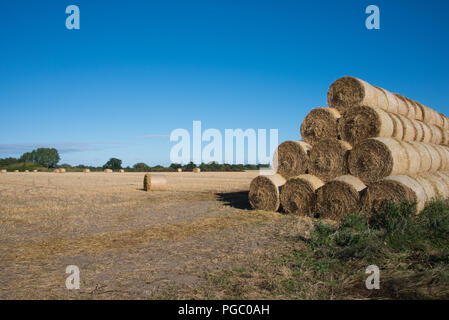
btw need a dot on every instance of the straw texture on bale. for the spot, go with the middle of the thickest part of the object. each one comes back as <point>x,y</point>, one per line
<point>154,183</point>
<point>264,192</point>
<point>291,158</point>
<point>321,123</point>
<point>339,198</point>
<point>397,189</point>
<point>196,170</point>
<point>328,159</point>
<point>349,92</point>
<point>298,194</point>
<point>376,158</point>
<point>108,171</point>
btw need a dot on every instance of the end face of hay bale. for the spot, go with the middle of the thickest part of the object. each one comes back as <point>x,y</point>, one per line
<point>147,182</point>
<point>264,192</point>
<point>291,158</point>
<point>179,170</point>
<point>298,195</point>
<point>348,92</point>
<point>329,159</point>
<point>321,123</point>
<point>339,198</point>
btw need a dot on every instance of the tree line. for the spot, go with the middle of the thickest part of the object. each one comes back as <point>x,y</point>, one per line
<point>48,158</point>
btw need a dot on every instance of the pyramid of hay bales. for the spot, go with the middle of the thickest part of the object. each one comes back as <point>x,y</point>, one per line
<point>369,147</point>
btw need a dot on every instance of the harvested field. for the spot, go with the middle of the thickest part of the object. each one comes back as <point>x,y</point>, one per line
<point>126,242</point>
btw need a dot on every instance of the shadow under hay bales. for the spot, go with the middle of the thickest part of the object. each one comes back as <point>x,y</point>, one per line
<point>238,200</point>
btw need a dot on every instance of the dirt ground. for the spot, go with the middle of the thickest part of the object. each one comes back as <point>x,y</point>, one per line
<point>127,243</point>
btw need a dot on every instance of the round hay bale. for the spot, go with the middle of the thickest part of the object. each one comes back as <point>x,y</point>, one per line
<point>445,121</point>
<point>436,134</point>
<point>419,130</point>
<point>35,171</point>
<point>3,171</point>
<point>55,171</point>
<point>427,133</point>
<point>154,183</point>
<point>179,170</point>
<point>408,128</point>
<point>264,192</point>
<point>122,171</point>
<point>348,92</point>
<point>86,170</point>
<point>440,157</point>
<point>16,171</point>
<point>298,194</point>
<point>27,171</point>
<point>376,158</point>
<point>398,127</point>
<point>406,108</point>
<point>395,189</point>
<point>196,170</point>
<point>328,159</point>
<point>424,155</point>
<point>291,158</point>
<point>320,123</point>
<point>62,170</point>
<point>429,189</point>
<point>392,102</point>
<point>108,171</point>
<point>363,122</point>
<point>440,185</point>
<point>339,198</point>
<point>415,161</point>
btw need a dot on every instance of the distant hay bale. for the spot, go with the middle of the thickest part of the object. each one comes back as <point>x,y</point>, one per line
<point>55,171</point>
<point>264,192</point>
<point>339,198</point>
<point>328,159</point>
<point>3,171</point>
<point>154,183</point>
<point>35,171</point>
<point>349,92</point>
<point>196,170</point>
<point>396,189</point>
<point>86,170</point>
<point>298,194</point>
<point>122,171</point>
<point>320,123</point>
<point>179,170</point>
<point>376,158</point>
<point>108,171</point>
<point>27,171</point>
<point>16,171</point>
<point>62,170</point>
<point>291,158</point>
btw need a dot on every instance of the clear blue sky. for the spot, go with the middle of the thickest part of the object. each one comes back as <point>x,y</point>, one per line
<point>136,70</point>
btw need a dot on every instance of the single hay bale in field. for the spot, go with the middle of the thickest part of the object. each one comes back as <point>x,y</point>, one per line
<point>62,170</point>
<point>339,198</point>
<point>264,192</point>
<point>16,171</point>
<point>291,158</point>
<point>196,170</point>
<point>396,189</point>
<point>35,171</point>
<point>108,171</point>
<point>154,183</point>
<point>329,159</point>
<point>319,124</point>
<point>55,171</point>
<point>298,194</point>
<point>360,123</point>
<point>27,171</point>
<point>3,171</point>
<point>122,171</point>
<point>179,170</point>
<point>86,170</point>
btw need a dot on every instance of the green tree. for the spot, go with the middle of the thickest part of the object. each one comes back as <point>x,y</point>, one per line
<point>141,167</point>
<point>114,164</point>
<point>46,157</point>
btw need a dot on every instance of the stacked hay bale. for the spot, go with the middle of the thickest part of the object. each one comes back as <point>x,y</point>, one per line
<point>369,147</point>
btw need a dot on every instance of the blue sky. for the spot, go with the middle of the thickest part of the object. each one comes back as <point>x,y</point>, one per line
<point>136,70</point>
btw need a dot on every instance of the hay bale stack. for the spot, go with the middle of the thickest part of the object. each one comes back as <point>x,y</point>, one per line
<point>298,194</point>
<point>349,92</point>
<point>339,198</point>
<point>86,170</point>
<point>196,170</point>
<point>154,183</point>
<point>264,192</point>
<point>291,158</point>
<point>376,158</point>
<point>108,171</point>
<point>321,123</point>
<point>3,171</point>
<point>328,159</point>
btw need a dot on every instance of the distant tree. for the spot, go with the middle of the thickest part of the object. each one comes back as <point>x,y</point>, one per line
<point>141,167</point>
<point>175,166</point>
<point>189,167</point>
<point>46,157</point>
<point>8,161</point>
<point>114,164</point>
